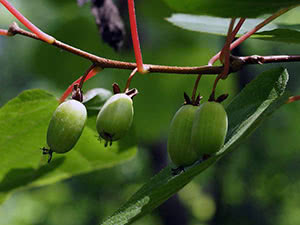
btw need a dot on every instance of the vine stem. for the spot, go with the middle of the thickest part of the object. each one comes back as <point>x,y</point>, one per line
<point>293,99</point>
<point>135,38</point>
<point>233,34</point>
<point>226,48</point>
<point>251,32</point>
<point>108,63</point>
<point>83,78</point>
<point>88,75</point>
<point>130,78</point>
<point>237,61</point>
<point>43,36</point>
<point>4,32</point>
<point>225,53</point>
<point>195,88</point>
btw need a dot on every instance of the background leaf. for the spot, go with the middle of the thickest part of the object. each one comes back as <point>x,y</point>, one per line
<point>95,98</point>
<point>252,106</point>
<point>219,26</point>
<point>24,121</point>
<point>230,8</point>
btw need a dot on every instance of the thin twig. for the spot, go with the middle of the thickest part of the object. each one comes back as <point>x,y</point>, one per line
<point>45,37</point>
<point>90,74</point>
<point>236,63</point>
<point>293,99</point>
<point>258,59</point>
<point>130,78</point>
<point>254,30</point>
<point>135,37</point>
<point>108,63</point>
<point>195,88</point>
<point>225,53</point>
<point>233,34</point>
<point>4,32</point>
<point>83,78</point>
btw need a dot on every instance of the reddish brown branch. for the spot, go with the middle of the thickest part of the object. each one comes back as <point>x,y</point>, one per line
<point>251,32</point>
<point>4,32</point>
<point>45,37</point>
<point>236,62</point>
<point>257,59</point>
<point>108,63</point>
<point>88,76</point>
<point>130,78</point>
<point>293,99</point>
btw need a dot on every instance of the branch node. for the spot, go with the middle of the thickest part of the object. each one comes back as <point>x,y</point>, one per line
<point>13,29</point>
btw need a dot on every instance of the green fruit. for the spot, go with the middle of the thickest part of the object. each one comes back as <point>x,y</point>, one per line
<point>209,128</point>
<point>179,140</point>
<point>115,118</point>
<point>66,126</point>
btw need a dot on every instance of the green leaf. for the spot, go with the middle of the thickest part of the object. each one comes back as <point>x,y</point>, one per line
<point>245,113</point>
<point>284,33</point>
<point>219,26</point>
<point>230,8</point>
<point>95,98</point>
<point>23,122</point>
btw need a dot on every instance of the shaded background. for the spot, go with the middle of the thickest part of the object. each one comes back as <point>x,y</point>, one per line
<point>258,183</point>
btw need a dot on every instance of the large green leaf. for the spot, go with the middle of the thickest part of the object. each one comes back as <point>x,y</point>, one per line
<point>23,126</point>
<point>219,26</point>
<point>230,8</point>
<point>251,107</point>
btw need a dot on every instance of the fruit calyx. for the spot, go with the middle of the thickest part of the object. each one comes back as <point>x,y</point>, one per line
<point>131,92</point>
<point>188,101</point>
<point>219,99</point>
<point>77,93</point>
<point>47,151</point>
<point>178,170</point>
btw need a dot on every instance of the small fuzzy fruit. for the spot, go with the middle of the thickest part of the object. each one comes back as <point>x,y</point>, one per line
<point>209,128</point>
<point>179,140</point>
<point>66,126</point>
<point>115,118</point>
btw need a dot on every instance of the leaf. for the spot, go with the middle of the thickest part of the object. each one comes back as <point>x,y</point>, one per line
<point>219,26</point>
<point>252,106</point>
<point>95,98</point>
<point>23,127</point>
<point>230,8</point>
<point>284,33</point>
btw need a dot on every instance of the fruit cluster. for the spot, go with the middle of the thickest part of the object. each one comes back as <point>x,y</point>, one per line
<point>196,131</point>
<point>113,121</point>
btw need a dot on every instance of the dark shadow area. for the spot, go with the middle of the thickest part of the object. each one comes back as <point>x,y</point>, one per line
<point>16,178</point>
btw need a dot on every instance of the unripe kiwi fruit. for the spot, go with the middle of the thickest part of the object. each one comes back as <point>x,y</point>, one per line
<point>115,117</point>
<point>179,139</point>
<point>209,128</point>
<point>66,126</point>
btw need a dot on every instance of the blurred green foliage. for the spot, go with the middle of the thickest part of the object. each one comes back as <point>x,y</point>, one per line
<point>259,183</point>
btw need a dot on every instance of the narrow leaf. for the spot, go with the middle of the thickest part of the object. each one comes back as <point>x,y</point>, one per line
<point>230,8</point>
<point>219,26</point>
